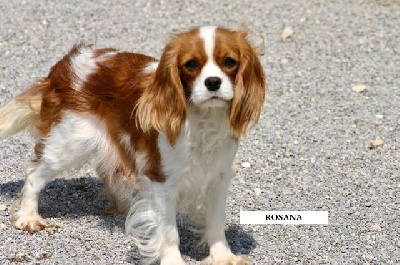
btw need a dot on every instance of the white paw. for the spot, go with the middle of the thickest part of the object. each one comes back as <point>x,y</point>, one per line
<point>172,260</point>
<point>30,223</point>
<point>227,260</point>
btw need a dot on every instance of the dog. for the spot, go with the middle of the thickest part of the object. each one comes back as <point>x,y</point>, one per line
<point>162,135</point>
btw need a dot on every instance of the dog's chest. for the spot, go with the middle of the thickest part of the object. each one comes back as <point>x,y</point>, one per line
<point>204,149</point>
<point>206,136</point>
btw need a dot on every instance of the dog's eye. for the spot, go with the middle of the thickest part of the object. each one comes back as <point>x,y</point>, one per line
<point>192,65</point>
<point>229,62</point>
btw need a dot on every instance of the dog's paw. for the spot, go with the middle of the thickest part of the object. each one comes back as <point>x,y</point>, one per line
<point>227,260</point>
<point>31,223</point>
<point>172,260</point>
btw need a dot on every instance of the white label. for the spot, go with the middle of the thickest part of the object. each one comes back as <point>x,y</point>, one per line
<point>284,217</point>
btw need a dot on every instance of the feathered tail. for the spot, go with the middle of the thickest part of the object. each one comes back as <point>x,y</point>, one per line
<point>23,110</point>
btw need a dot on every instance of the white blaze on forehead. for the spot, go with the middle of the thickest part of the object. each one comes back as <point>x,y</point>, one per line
<point>200,92</point>
<point>208,35</point>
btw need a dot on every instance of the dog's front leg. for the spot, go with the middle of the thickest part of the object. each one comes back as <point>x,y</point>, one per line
<point>152,223</point>
<point>220,253</point>
<point>165,198</point>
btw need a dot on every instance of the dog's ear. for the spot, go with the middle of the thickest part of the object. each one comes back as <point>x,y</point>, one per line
<point>250,86</point>
<point>163,104</point>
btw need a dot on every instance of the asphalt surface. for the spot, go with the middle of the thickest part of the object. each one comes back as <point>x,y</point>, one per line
<point>312,149</point>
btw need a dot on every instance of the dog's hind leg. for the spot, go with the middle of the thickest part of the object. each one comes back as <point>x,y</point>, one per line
<point>26,217</point>
<point>71,143</point>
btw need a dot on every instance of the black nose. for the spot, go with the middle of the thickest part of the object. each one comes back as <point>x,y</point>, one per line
<point>213,83</point>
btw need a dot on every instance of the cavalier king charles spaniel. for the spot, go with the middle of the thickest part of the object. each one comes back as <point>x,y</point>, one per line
<point>162,134</point>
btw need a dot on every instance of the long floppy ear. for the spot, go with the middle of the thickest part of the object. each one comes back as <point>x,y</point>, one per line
<point>162,105</point>
<point>249,92</point>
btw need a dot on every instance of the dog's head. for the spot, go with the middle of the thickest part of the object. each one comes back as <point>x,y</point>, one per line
<point>209,67</point>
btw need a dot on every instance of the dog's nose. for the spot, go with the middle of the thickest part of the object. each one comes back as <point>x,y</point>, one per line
<point>213,83</point>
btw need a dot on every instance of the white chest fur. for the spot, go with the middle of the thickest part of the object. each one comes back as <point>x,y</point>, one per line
<point>203,153</point>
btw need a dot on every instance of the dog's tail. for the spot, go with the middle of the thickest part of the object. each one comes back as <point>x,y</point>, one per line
<point>23,110</point>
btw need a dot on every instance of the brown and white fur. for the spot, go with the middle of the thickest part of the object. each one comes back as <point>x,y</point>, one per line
<point>162,134</point>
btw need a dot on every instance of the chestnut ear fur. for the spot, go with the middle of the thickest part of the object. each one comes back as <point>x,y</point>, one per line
<point>163,104</point>
<point>249,94</point>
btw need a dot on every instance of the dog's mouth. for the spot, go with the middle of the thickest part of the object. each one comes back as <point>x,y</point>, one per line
<point>214,101</point>
<point>217,98</point>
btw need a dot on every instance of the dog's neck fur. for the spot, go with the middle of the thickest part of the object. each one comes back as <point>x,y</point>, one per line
<point>206,130</point>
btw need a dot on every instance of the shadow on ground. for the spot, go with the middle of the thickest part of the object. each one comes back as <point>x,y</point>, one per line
<point>77,197</point>
<point>70,198</point>
<point>239,240</point>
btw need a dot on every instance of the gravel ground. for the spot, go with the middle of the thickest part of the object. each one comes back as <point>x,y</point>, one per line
<point>312,149</point>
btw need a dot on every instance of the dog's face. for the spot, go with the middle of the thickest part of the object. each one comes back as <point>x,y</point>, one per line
<point>207,70</point>
<point>210,68</point>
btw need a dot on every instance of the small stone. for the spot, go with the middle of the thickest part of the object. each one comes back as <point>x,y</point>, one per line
<point>2,226</point>
<point>287,33</point>
<point>369,257</point>
<point>376,227</point>
<point>3,207</point>
<point>359,88</point>
<point>235,169</point>
<point>257,191</point>
<point>246,165</point>
<point>377,143</point>
<point>286,191</point>
<point>379,116</point>
<point>115,229</point>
